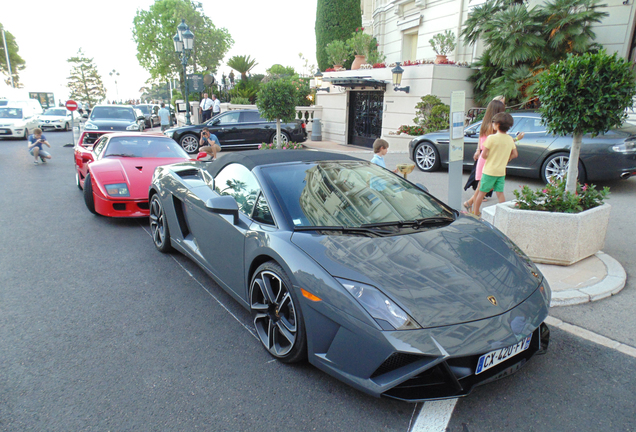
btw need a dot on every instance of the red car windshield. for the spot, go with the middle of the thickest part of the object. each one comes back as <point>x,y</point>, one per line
<point>144,146</point>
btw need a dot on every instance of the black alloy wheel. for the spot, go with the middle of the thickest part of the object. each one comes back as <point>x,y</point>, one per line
<point>159,225</point>
<point>426,157</point>
<point>67,127</point>
<point>77,180</point>
<point>190,143</point>
<point>26,134</point>
<point>556,166</point>
<point>276,314</point>
<point>89,199</point>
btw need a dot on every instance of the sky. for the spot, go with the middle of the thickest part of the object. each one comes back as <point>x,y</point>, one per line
<point>49,32</point>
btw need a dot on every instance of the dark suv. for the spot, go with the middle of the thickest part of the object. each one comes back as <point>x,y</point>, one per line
<point>110,118</point>
<point>238,129</point>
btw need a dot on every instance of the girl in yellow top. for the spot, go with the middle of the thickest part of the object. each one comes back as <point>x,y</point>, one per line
<point>499,149</point>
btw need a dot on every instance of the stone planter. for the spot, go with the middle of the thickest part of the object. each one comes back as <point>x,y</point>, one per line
<point>552,238</point>
<point>359,61</point>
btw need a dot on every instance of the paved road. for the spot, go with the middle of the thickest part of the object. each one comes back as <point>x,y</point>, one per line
<point>99,331</point>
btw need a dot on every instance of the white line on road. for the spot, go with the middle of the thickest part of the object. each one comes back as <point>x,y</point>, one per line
<point>434,416</point>
<point>207,291</point>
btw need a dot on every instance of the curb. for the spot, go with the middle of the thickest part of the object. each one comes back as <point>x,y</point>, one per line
<point>611,284</point>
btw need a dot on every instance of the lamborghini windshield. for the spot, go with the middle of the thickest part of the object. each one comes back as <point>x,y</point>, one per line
<point>349,194</point>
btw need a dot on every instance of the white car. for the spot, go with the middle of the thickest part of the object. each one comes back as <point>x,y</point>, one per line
<point>17,122</point>
<point>58,119</point>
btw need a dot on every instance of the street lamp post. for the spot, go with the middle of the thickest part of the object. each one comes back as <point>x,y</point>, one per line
<point>114,74</point>
<point>183,44</point>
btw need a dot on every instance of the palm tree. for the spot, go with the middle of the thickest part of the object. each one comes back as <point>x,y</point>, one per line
<point>242,64</point>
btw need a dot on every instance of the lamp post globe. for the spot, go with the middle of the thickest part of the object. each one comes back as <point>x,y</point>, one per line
<point>183,46</point>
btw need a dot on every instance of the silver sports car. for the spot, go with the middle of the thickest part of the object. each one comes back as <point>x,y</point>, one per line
<point>365,274</point>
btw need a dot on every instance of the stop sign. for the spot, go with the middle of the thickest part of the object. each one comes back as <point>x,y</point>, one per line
<point>71,105</point>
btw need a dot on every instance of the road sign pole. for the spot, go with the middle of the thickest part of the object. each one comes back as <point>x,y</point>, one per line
<point>71,105</point>
<point>456,149</point>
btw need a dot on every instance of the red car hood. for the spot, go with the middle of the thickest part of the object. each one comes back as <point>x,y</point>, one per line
<point>135,172</point>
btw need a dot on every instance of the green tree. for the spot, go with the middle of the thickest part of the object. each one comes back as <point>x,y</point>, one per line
<point>585,94</point>
<point>521,42</point>
<point>277,101</point>
<point>335,20</point>
<point>154,29</point>
<point>154,90</point>
<point>242,64</point>
<point>85,83</point>
<point>17,63</point>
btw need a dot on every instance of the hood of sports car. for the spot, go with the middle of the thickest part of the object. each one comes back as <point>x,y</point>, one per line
<point>440,276</point>
<point>135,172</point>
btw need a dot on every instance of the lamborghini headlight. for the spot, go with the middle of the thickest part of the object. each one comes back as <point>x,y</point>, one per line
<point>384,310</point>
<point>117,190</point>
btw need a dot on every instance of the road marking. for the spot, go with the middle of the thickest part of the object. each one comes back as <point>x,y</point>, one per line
<point>434,416</point>
<point>591,336</point>
<point>208,291</point>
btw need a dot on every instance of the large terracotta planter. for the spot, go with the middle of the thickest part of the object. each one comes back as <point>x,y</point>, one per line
<point>552,238</point>
<point>359,61</point>
<point>440,59</point>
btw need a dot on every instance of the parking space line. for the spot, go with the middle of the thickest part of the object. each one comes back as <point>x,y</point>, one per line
<point>208,291</point>
<point>434,416</point>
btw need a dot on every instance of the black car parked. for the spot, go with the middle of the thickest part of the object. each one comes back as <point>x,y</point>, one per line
<point>238,129</point>
<point>151,115</point>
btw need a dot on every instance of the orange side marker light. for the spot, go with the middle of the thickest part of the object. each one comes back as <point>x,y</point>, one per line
<point>310,296</point>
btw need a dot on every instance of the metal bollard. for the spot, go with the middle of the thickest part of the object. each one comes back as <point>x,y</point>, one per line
<point>316,130</point>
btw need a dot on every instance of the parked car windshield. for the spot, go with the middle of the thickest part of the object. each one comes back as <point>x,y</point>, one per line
<point>144,108</point>
<point>144,146</point>
<point>348,194</point>
<point>122,113</point>
<point>12,113</point>
<point>55,112</point>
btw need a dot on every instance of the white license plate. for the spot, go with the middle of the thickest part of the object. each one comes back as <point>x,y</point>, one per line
<point>493,358</point>
<point>5,132</point>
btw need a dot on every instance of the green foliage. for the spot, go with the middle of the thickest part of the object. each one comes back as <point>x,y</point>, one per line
<point>443,43</point>
<point>288,146</point>
<point>17,62</point>
<point>337,52</point>
<point>281,71</point>
<point>155,91</point>
<point>246,88</point>
<point>586,94</point>
<point>277,100</point>
<point>521,42</point>
<point>554,198</point>
<point>411,130</point>
<point>85,83</point>
<point>431,114</point>
<point>360,42</point>
<point>154,29</point>
<point>335,20</point>
<point>375,56</point>
<point>238,100</point>
<point>242,64</point>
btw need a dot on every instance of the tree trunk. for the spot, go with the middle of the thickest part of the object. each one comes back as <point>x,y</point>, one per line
<point>573,168</point>
<point>278,141</point>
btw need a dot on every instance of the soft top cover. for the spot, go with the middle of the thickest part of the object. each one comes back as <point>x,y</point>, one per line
<point>253,158</point>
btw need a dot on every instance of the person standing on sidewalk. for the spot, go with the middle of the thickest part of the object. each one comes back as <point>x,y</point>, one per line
<point>164,115</point>
<point>206,108</point>
<point>216,105</point>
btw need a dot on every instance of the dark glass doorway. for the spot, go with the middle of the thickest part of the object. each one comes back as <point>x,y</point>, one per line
<point>365,117</point>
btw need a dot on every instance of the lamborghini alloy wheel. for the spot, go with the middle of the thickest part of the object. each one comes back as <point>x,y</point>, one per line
<point>159,225</point>
<point>276,314</point>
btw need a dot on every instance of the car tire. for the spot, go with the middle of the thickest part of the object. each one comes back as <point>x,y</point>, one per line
<point>426,157</point>
<point>556,165</point>
<point>159,230</point>
<point>190,143</point>
<point>77,181</point>
<point>89,199</point>
<point>276,314</point>
<point>26,134</point>
<point>67,127</point>
<point>284,137</point>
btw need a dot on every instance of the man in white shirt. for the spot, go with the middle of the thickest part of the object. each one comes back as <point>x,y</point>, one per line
<point>206,108</point>
<point>216,105</point>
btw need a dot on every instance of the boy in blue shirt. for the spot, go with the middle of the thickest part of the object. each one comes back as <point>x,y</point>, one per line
<point>35,146</point>
<point>380,148</point>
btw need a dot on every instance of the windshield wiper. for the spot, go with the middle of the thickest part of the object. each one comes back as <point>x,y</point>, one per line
<point>435,220</point>
<point>120,154</point>
<point>356,230</point>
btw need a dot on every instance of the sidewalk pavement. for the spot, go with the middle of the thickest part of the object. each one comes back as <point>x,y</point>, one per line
<point>591,279</point>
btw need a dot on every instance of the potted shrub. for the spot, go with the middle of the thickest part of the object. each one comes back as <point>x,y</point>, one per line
<point>337,53</point>
<point>583,94</point>
<point>360,44</point>
<point>442,44</point>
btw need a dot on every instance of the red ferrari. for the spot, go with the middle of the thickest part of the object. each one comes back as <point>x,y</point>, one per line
<point>115,173</point>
